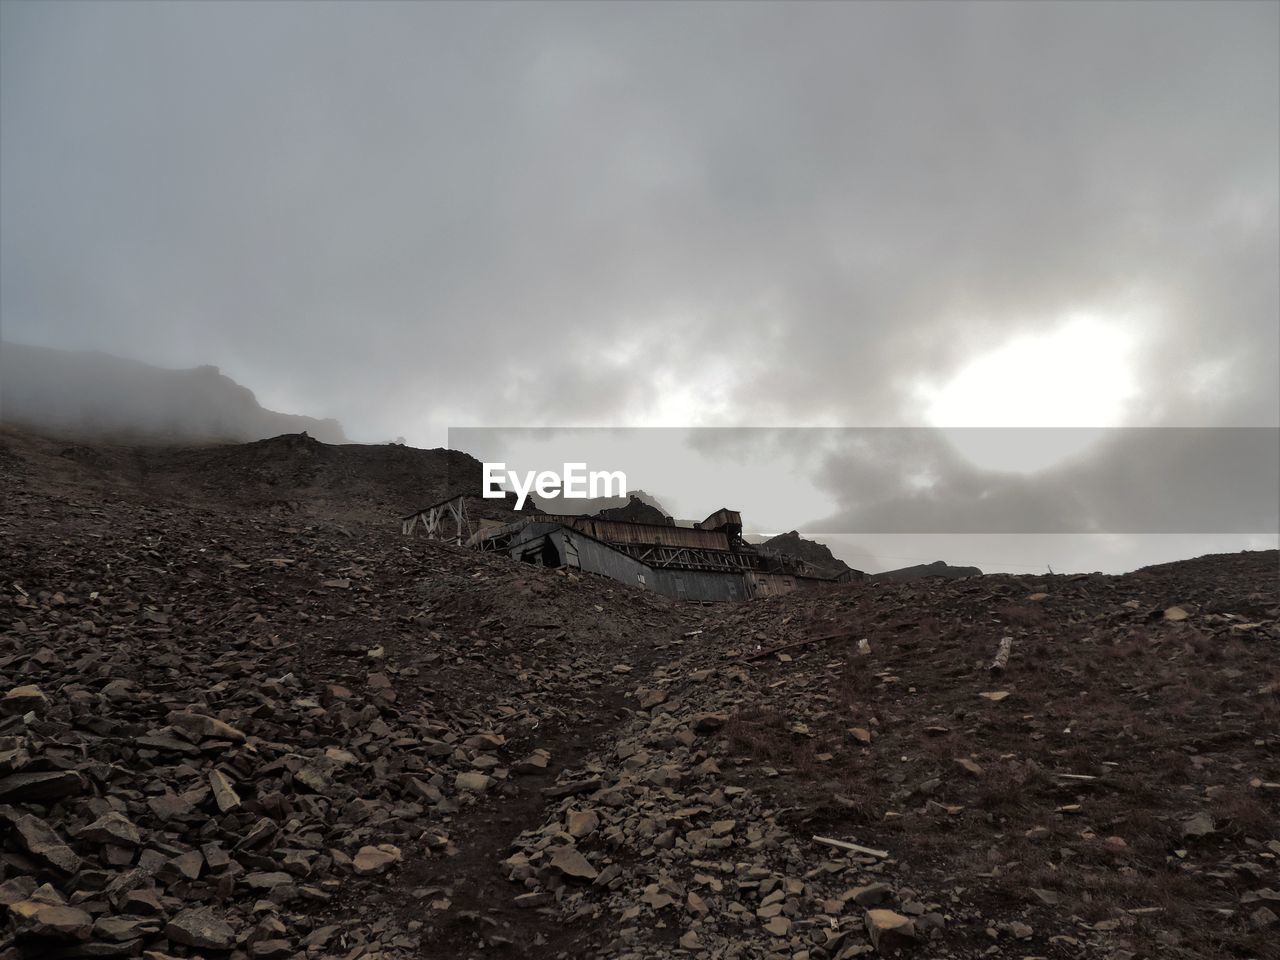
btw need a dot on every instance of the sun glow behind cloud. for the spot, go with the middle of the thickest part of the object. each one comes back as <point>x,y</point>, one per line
<point>1078,375</point>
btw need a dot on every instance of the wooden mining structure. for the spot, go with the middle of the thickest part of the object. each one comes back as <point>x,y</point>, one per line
<point>709,561</point>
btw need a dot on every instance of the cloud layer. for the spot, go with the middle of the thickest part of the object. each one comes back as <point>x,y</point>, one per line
<point>410,216</point>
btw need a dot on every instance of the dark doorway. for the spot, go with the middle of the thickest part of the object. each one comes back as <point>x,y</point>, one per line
<point>550,555</point>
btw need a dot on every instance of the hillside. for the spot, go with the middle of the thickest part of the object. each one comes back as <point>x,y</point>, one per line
<point>939,568</point>
<point>818,555</point>
<point>232,730</point>
<point>92,393</point>
<point>600,506</point>
<point>635,511</point>
<point>350,485</point>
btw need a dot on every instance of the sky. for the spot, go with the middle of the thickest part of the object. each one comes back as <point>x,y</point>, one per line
<point>412,217</point>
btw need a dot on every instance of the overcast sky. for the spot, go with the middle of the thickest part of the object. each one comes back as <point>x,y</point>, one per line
<point>416,216</point>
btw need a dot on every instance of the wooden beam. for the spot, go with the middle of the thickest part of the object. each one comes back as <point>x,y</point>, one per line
<point>761,654</point>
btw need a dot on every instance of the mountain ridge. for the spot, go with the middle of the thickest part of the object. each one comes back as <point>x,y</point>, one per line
<point>89,393</point>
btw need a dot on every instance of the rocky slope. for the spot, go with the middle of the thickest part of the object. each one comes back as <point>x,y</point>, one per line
<point>648,507</point>
<point>817,555</point>
<point>232,731</point>
<point>635,511</point>
<point>347,485</point>
<point>939,568</point>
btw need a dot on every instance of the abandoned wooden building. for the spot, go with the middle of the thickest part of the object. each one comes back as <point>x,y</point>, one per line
<point>709,561</point>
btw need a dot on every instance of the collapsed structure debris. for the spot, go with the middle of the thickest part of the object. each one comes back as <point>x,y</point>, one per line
<point>457,517</point>
<point>435,520</point>
<point>709,561</point>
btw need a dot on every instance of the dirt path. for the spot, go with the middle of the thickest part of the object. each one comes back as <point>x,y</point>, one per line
<point>482,916</point>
